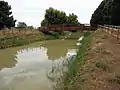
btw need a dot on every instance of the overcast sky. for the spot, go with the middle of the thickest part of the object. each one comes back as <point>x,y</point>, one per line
<point>32,11</point>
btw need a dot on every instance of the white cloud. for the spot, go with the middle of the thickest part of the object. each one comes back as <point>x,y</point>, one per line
<point>32,11</point>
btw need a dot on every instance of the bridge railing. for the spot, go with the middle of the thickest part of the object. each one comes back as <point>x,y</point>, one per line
<point>79,27</point>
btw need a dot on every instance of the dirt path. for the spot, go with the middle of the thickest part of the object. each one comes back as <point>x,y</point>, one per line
<point>101,70</point>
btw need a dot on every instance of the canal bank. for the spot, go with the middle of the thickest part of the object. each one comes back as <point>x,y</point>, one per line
<point>28,38</point>
<point>27,67</point>
<point>24,39</point>
<point>71,78</point>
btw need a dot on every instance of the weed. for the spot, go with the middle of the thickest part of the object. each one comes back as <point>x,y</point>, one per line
<point>115,80</point>
<point>101,64</point>
<point>104,36</point>
<point>68,80</point>
<point>106,52</point>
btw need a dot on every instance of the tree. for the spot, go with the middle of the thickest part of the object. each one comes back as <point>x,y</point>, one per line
<point>44,22</point>
<point>6,18</point>
<point>115,12</point>
<point>72,19</point>
<point>31,27</point>
<point>97,16</point>
<point>57,17</point>
<point>21,25</point>
<point>107,13</point>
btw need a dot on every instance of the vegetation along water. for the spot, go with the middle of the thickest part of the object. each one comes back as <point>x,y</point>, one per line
<point>48,58</point>
<point>28,67</point>
<point>67,79</point>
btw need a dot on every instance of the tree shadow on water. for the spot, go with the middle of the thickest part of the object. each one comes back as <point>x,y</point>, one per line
<point>7,60</point>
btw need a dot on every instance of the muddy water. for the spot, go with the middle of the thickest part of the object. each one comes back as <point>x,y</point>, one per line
<point>27,67</point>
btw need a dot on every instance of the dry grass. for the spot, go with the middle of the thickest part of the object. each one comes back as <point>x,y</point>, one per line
<point>17,37</point>
<point>101,69</point>
<point>17,32</point>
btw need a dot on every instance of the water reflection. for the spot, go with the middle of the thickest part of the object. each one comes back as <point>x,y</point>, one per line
<point>7,59</point>
<point>56,50</point>
<point>53,50</point>
<point>25,68</point>
<point>32,64</point>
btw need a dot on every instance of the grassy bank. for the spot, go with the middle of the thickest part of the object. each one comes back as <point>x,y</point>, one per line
<point>68,79</point>
<point>26,37</point>
<point>12,38</point>
<point>13,41</point>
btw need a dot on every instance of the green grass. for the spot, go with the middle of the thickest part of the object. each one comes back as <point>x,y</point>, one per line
<point>7,42</point>
<point>12,41</point>
<point>68,80</point>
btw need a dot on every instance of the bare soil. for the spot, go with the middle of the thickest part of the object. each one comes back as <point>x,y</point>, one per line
<point>101,69</point>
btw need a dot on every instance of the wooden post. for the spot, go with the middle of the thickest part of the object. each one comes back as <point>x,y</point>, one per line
<point>105,28</point>
<point>99,27</point>
<point>112,30</point>
<point>118,34</point>
<point>108,29</point>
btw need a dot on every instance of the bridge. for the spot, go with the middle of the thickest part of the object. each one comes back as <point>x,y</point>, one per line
<point>80,27</point>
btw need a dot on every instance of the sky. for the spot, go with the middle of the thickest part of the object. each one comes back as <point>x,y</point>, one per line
<point>32,11</point>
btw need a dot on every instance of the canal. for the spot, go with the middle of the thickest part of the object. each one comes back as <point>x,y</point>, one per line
<point>27,67</point>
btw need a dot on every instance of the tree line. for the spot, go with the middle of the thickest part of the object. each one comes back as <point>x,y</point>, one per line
<point>52,17</point>
<point>108,12</point>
